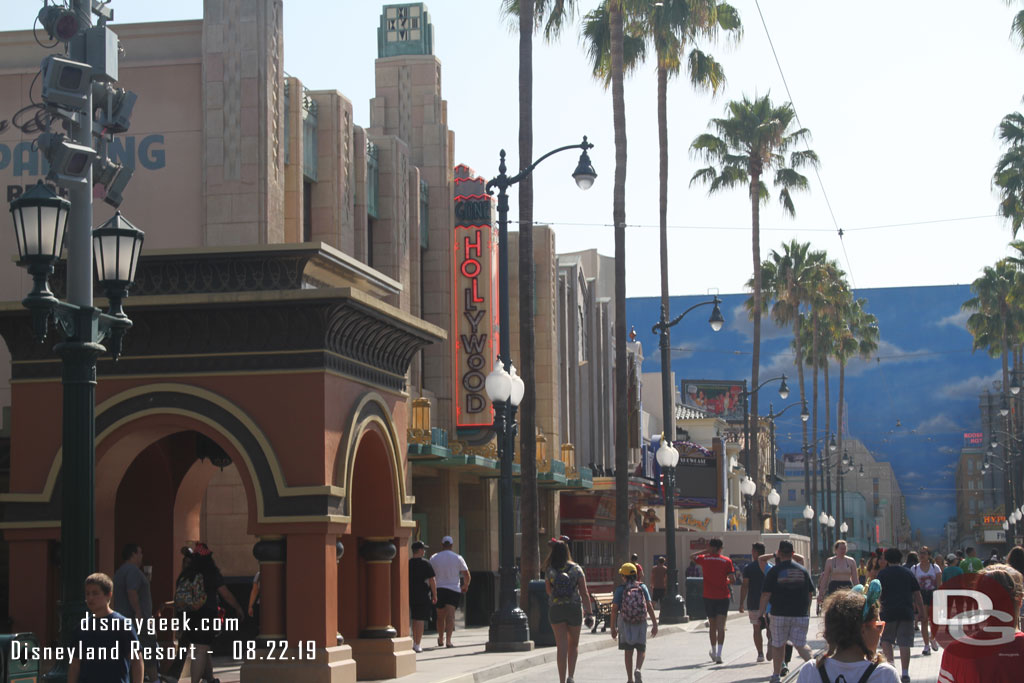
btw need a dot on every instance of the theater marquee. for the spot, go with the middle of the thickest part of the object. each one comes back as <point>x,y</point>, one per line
<point>475,298</point>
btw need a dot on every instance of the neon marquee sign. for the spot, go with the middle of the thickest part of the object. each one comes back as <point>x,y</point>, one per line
<point>474,298</point>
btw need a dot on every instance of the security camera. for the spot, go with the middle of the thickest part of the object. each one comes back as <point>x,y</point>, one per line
<point>115,107</point>
<point>60,23</point>
<point>115,190</point>
<point>69,162</point>
<point>66,83</point>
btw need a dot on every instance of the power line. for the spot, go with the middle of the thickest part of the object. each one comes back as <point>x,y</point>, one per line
<point>849,267</point>
<point>933,221</point>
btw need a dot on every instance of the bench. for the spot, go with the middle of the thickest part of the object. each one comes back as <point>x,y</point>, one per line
<point>601,604</point>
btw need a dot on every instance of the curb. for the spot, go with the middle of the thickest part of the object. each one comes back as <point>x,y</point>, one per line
<point>549,654</point>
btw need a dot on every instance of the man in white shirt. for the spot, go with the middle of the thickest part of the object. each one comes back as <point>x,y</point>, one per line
<point>452,577</point>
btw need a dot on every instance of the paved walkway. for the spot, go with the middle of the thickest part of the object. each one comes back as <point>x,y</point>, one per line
<point>679,653</point>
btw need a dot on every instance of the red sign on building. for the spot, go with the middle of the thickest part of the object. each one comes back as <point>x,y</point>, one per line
<point>475,299</point>
<point>973,439</point>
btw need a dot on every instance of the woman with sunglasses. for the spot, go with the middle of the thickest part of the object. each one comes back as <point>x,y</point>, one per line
<point>852,631</point>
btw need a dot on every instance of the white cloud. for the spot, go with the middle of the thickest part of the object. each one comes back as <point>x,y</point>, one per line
<point>970,387</point>
<point>738,320</point>
<point>939,424</point>
<point>942,449</point>
<point>958,319</point>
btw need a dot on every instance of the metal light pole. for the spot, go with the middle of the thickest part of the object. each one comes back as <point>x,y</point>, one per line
<point>673,611</point>
<point>772,416</point>
<point>45,224</point>
<point>745,397</point>
<point>673,608</point>
<point>509,629</point>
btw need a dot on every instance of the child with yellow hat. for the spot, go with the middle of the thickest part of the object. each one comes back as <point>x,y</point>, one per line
<point>631,605</point>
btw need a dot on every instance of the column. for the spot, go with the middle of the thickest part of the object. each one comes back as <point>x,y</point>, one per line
<point>378,553</point>
<point>270,551</point>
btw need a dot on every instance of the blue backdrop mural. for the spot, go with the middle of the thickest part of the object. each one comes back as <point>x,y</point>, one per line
<point>909,404</point>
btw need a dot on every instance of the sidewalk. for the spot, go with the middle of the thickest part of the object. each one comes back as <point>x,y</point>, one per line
<point>469,662</point>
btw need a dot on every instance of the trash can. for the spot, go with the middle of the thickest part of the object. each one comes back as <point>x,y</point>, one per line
<point>537,613</point>
<point>695,598</point>
<point>481,600</point>
<point>17,663</point>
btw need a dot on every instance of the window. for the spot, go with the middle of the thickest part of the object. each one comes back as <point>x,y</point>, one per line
<point>970,467</point>
<point>792,495</point>
<point>970,484</point>
<point>307,211</point>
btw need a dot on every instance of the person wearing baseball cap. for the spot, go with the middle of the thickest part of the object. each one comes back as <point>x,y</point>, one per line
<point>952,568</point>
<point>422,592</point>
<point>631,606</point>
<point>453,579</point>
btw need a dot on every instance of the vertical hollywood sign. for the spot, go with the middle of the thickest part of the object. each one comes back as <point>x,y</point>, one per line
<point>474,295</point>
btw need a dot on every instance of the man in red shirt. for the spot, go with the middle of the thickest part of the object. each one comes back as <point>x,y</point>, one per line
<point>718,572</point>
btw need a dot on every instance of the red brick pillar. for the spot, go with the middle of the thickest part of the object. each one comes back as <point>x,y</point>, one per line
<point>377,554</point>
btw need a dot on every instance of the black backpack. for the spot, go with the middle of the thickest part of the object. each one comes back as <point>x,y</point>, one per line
<point>842,679</point>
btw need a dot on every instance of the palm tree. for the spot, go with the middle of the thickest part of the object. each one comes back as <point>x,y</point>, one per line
<point>996,321</point>
<point>787,279</point>
<point>1017,27</point>
<point>529,16</point>
<point>858,336</point>
<point>1009,173</point>
<point>606,41</point>
<point>750,143</point>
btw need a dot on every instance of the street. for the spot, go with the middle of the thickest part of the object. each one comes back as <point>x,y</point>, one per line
<point>684,657</point>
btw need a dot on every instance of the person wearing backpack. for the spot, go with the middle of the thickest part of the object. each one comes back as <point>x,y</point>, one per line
<point>566,586</point>
<point>196,593</point>
<point>631,605</point>
<point>852,631</point>
<point>789,589</point>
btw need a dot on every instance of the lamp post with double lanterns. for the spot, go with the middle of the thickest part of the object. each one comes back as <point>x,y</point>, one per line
<point>509,630</point>
<point>79,97</point>
<point>844,467</point>
<point>673,608</point>
<point>772,416</point>
<point>745,397</point>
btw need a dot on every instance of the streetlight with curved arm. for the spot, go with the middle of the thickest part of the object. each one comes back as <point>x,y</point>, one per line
<point>509,629</point>
<point>673,610</point>
<point>745,397</point>
<point>772,415</point>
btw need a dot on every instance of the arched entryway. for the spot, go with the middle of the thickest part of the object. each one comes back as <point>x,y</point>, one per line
<point>372,584</point>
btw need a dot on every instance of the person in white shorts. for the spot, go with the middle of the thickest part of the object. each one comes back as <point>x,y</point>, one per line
<point>789,588</point>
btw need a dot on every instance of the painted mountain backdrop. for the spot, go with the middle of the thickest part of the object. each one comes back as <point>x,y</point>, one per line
<point>910,404</point>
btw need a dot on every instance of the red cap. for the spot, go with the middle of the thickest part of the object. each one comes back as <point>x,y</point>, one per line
<point>202,549</point>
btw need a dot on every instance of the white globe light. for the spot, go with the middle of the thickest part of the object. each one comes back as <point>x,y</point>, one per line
<point>808,512</point>
<point>518,386</point>
<point>844,527</point>
<point>1006,526</point>
<point>498,384</point>
<point>667,455</point>
<point>748,487</point>
<point>774,498</point>
<point>823,518</point>
<point>831,522</point>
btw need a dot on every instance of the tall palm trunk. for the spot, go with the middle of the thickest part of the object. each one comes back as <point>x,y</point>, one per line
<point>840,417</point>
<point>663,195</point>
<point>808,497</point>
<point>528,408</point>
<point>1010,491</point>
<point>619,220</point>
<point>833,505</point>
<point>753,464</point>
<point>819,504</point>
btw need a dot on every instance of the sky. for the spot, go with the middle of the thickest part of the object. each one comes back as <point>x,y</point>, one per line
<point>902,99</point>
<point>909,404</point>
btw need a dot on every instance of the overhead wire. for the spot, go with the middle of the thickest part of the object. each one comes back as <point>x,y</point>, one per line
<point>821,184</point>
<point>933,221</point>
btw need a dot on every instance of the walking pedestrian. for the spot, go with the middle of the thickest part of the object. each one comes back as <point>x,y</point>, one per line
<point>718,572</point>
<point>566,586</point>
<point>901,594</point>
<point>453,579</point>
<point>929,577</point>
<point>875,563</point>
<point>862,572</point>
<point>952,567</point>
<point>971,563</point>
<point>991,664</point>
<point>133,599</point>
<point>659,580</point>
<point>750,596</point>
<point>852,630</point>
<point>635,560</point>
<point>196,593</point>
<point>789,588</point>
<point>103,633</point>
<point>840,572</point>
<point>768,561</point>
<point>631,605</point>
<point>422,592</point>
